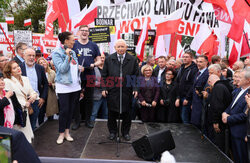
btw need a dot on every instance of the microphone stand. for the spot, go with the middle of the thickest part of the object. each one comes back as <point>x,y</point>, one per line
<point>118,138</point>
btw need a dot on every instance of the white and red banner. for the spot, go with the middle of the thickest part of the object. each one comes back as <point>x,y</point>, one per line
<point>49,44</point>
<point>27,22</point>
<point>9,20</point>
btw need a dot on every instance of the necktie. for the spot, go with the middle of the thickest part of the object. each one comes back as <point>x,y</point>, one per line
<point>198,75</point>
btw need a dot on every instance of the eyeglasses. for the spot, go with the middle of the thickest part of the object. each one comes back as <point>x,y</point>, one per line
<point>168,74</point>
<point>84,30</point>
<point>147,70</point>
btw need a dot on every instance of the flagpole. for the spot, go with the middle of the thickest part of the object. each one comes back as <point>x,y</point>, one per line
<point>172,45</point>
<point>246,38</point>
<point>64,20</point>
<point>7,39</point>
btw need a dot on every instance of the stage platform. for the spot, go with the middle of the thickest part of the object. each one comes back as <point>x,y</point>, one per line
<point>86,148</point>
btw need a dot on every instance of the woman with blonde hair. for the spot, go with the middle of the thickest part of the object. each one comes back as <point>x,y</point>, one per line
<point>14,81</point>
<point>148,94</point>
<point>52,105</point>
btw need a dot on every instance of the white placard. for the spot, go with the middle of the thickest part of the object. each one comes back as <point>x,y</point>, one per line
<point>24,36</point>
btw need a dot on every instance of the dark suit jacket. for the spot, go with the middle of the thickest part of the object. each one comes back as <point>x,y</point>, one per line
<point>42,79</point>
<point>196,100</point>
<point>111,74</point>
<point>237,120</point>
<point>156,72</point>
<point>17,60</point>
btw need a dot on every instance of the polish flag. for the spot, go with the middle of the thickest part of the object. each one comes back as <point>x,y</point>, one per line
<point>52,13</point>
<point>220,3</point>
<point>43,48</point>
<point>62,10</point>
<point>245,50</point>
<point>170,23</point>
<point>68,8</point>
<point>9,20</point>
<point>142,39</point>
<point>91,12</point>
<point>234,51</point>
<point>27,22</point>
<point>77,18</point>
<point>205,42</point>
<point>179,50</point>
<point>160,47</point>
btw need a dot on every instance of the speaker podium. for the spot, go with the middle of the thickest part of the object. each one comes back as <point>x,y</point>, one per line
<point>151,146</point>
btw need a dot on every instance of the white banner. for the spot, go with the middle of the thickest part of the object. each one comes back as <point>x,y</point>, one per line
<point>131,15</point>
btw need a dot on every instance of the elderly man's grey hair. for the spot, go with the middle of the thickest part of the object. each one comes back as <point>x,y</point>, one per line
<point>120,40</point>
<point>216,67</point>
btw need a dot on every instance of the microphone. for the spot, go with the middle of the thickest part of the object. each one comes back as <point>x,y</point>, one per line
<point>66,47</point>
<point>121,58</point>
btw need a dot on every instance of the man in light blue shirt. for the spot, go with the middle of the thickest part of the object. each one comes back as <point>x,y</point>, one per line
<point>39,83</point>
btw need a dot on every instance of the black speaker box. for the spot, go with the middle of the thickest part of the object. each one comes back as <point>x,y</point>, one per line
<point>151,146</point>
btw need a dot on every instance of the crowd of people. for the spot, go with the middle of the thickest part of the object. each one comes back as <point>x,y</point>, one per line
<point>87,84</point>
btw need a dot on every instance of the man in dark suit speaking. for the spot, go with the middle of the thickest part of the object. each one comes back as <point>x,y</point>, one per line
<point>111,88</point>
<point>236,118</point>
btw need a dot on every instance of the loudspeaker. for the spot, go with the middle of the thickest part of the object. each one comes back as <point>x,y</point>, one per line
<point>150,147</point>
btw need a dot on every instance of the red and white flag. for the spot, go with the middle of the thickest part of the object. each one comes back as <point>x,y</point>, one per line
<point>9,20</point>
<point>62,10</point>
<point>91,12</point>
<point>234,51</point>
<point>76,19</point>
<point>52,14</point>
<point>27,22</point>
<point>160,47</point>
<point>179,50</point>
<point>205,42</point>
<point>68,8</point>
<point>170,23</point>
<point>142,39</point>
<point>43,48</point>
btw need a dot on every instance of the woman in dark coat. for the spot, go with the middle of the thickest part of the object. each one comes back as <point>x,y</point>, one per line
<point>148,94</point>
<point>167,112</point>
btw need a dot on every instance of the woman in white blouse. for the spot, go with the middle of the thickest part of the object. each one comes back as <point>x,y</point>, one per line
<point>22,87</point>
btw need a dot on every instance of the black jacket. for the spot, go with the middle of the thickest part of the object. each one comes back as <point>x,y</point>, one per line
<point>156,72</point>
<point>185,79</point>
<point>42,79</point>
<point>220,99</point>
<point>111,74</point>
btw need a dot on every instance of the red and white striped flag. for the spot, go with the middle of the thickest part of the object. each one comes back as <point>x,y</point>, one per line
<point>205,42</point>
<point>234,51</point>
<point>170,23</point>
<point>160,47</point>
<point>27,22</point>
<point>9,20</point>
<point>43,48</point>
<point>91,12</point>
<point>179,50</point>
<point>142,39</point>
